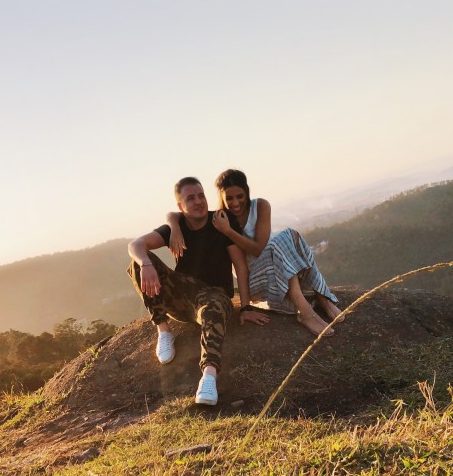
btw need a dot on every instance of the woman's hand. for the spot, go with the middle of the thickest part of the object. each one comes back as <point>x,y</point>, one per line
<point>176,243</point>
<point>221,222</point>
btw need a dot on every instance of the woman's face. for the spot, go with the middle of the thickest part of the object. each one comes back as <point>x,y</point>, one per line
<point>235,200</point>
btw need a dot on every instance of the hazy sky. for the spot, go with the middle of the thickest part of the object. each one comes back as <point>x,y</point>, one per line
<point>105,104</point>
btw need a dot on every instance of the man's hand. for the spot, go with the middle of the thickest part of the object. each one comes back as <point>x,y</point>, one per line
<point>176,243</point>
<point>149,281</point>
<point>253,316</point>
<point>221,222</point>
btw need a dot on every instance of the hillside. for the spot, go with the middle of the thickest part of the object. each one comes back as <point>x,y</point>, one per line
<point>88,284</point>
<point>116,396</point>
<point>411,230</point>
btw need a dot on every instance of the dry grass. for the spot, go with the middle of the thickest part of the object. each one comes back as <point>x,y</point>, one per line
<point>400,443</point>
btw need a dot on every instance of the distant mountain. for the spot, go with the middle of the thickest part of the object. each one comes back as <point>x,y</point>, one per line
<point>88,284</point>
<point>330,208</point>
<point>411,230</point>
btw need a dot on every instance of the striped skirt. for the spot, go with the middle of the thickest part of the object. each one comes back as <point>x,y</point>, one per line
<point>286,255</point>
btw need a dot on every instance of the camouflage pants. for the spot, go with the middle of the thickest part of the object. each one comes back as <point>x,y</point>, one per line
<point>188,299</point>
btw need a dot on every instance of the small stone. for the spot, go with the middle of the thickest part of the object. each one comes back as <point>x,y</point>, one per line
<point>85,456</point>
<point>20,442</point>
<point>237,403</point>
<point>190,450</point>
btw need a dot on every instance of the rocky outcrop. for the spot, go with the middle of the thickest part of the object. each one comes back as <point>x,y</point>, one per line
<point>378,348</point>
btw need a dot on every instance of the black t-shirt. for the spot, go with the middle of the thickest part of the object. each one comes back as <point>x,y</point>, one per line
<point>206,256</point>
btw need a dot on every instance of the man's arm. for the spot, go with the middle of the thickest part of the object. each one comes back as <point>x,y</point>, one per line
<point>138,251</point>
<point>242,273</point>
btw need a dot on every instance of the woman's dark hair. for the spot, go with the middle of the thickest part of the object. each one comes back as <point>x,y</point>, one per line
<point>232,178</point>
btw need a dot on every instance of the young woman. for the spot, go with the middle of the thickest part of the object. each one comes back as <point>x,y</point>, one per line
<point>281,266</point>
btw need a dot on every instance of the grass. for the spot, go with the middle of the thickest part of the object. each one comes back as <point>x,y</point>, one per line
<point>388,437</point>
<point>16,408</point>
<point>395,438</point>
<point>403,442</point>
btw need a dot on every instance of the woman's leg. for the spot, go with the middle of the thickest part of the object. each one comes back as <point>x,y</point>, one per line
<point>311,275</point>
<point>307,316</point>
<point>328,307</point>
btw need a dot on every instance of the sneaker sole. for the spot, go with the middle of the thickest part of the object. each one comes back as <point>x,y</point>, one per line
<point>164,362</point>
<point>202,401</point>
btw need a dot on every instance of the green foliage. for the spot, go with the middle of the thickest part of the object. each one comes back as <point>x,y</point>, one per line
<point>407,232</point>
<point>18,408</point>
<point>28,361</point>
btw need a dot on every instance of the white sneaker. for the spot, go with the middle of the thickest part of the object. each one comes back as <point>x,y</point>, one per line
<point>165,349</point>
<point>207,390</point>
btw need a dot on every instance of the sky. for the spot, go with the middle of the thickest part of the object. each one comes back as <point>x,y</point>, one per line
<point>104,105</point>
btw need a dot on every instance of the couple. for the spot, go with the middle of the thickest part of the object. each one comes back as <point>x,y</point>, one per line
<point>276,269</point>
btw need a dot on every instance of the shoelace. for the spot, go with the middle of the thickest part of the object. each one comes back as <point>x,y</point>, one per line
<point>207,385</point>
<point>165,342</point>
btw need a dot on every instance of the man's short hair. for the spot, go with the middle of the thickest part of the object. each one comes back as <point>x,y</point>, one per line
<point>183,182</point>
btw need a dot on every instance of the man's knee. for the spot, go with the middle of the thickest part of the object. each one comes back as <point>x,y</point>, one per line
<point>133,271</point>
<point>217,305</point>
<point>158,264</point>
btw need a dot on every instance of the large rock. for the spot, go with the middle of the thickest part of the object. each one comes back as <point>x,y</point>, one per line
<point>377,349</point>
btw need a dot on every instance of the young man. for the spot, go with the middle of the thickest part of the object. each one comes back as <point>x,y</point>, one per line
<point>199,289</point>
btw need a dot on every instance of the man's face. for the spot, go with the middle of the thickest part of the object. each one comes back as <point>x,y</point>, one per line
<point>192,202</point>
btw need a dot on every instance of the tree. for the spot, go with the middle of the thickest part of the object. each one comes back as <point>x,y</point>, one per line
<point>68,334</point>
<point>98,330</point>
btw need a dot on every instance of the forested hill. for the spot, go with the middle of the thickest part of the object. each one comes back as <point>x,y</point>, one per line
<point>87,285</point>
<point>411,230</point>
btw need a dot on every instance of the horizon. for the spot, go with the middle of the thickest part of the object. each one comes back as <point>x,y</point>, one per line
<point>328,207</point>
<point>104,109</point>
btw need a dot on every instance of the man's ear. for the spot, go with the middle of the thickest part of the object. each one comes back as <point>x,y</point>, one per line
<point>179,206</point>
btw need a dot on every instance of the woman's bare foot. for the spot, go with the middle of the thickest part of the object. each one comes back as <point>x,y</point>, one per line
<point>314,324</point>
<point>329,308</point>
<point>306,316</point>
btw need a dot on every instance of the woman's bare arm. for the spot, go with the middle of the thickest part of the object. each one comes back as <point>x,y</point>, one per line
<point>176,243</point>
